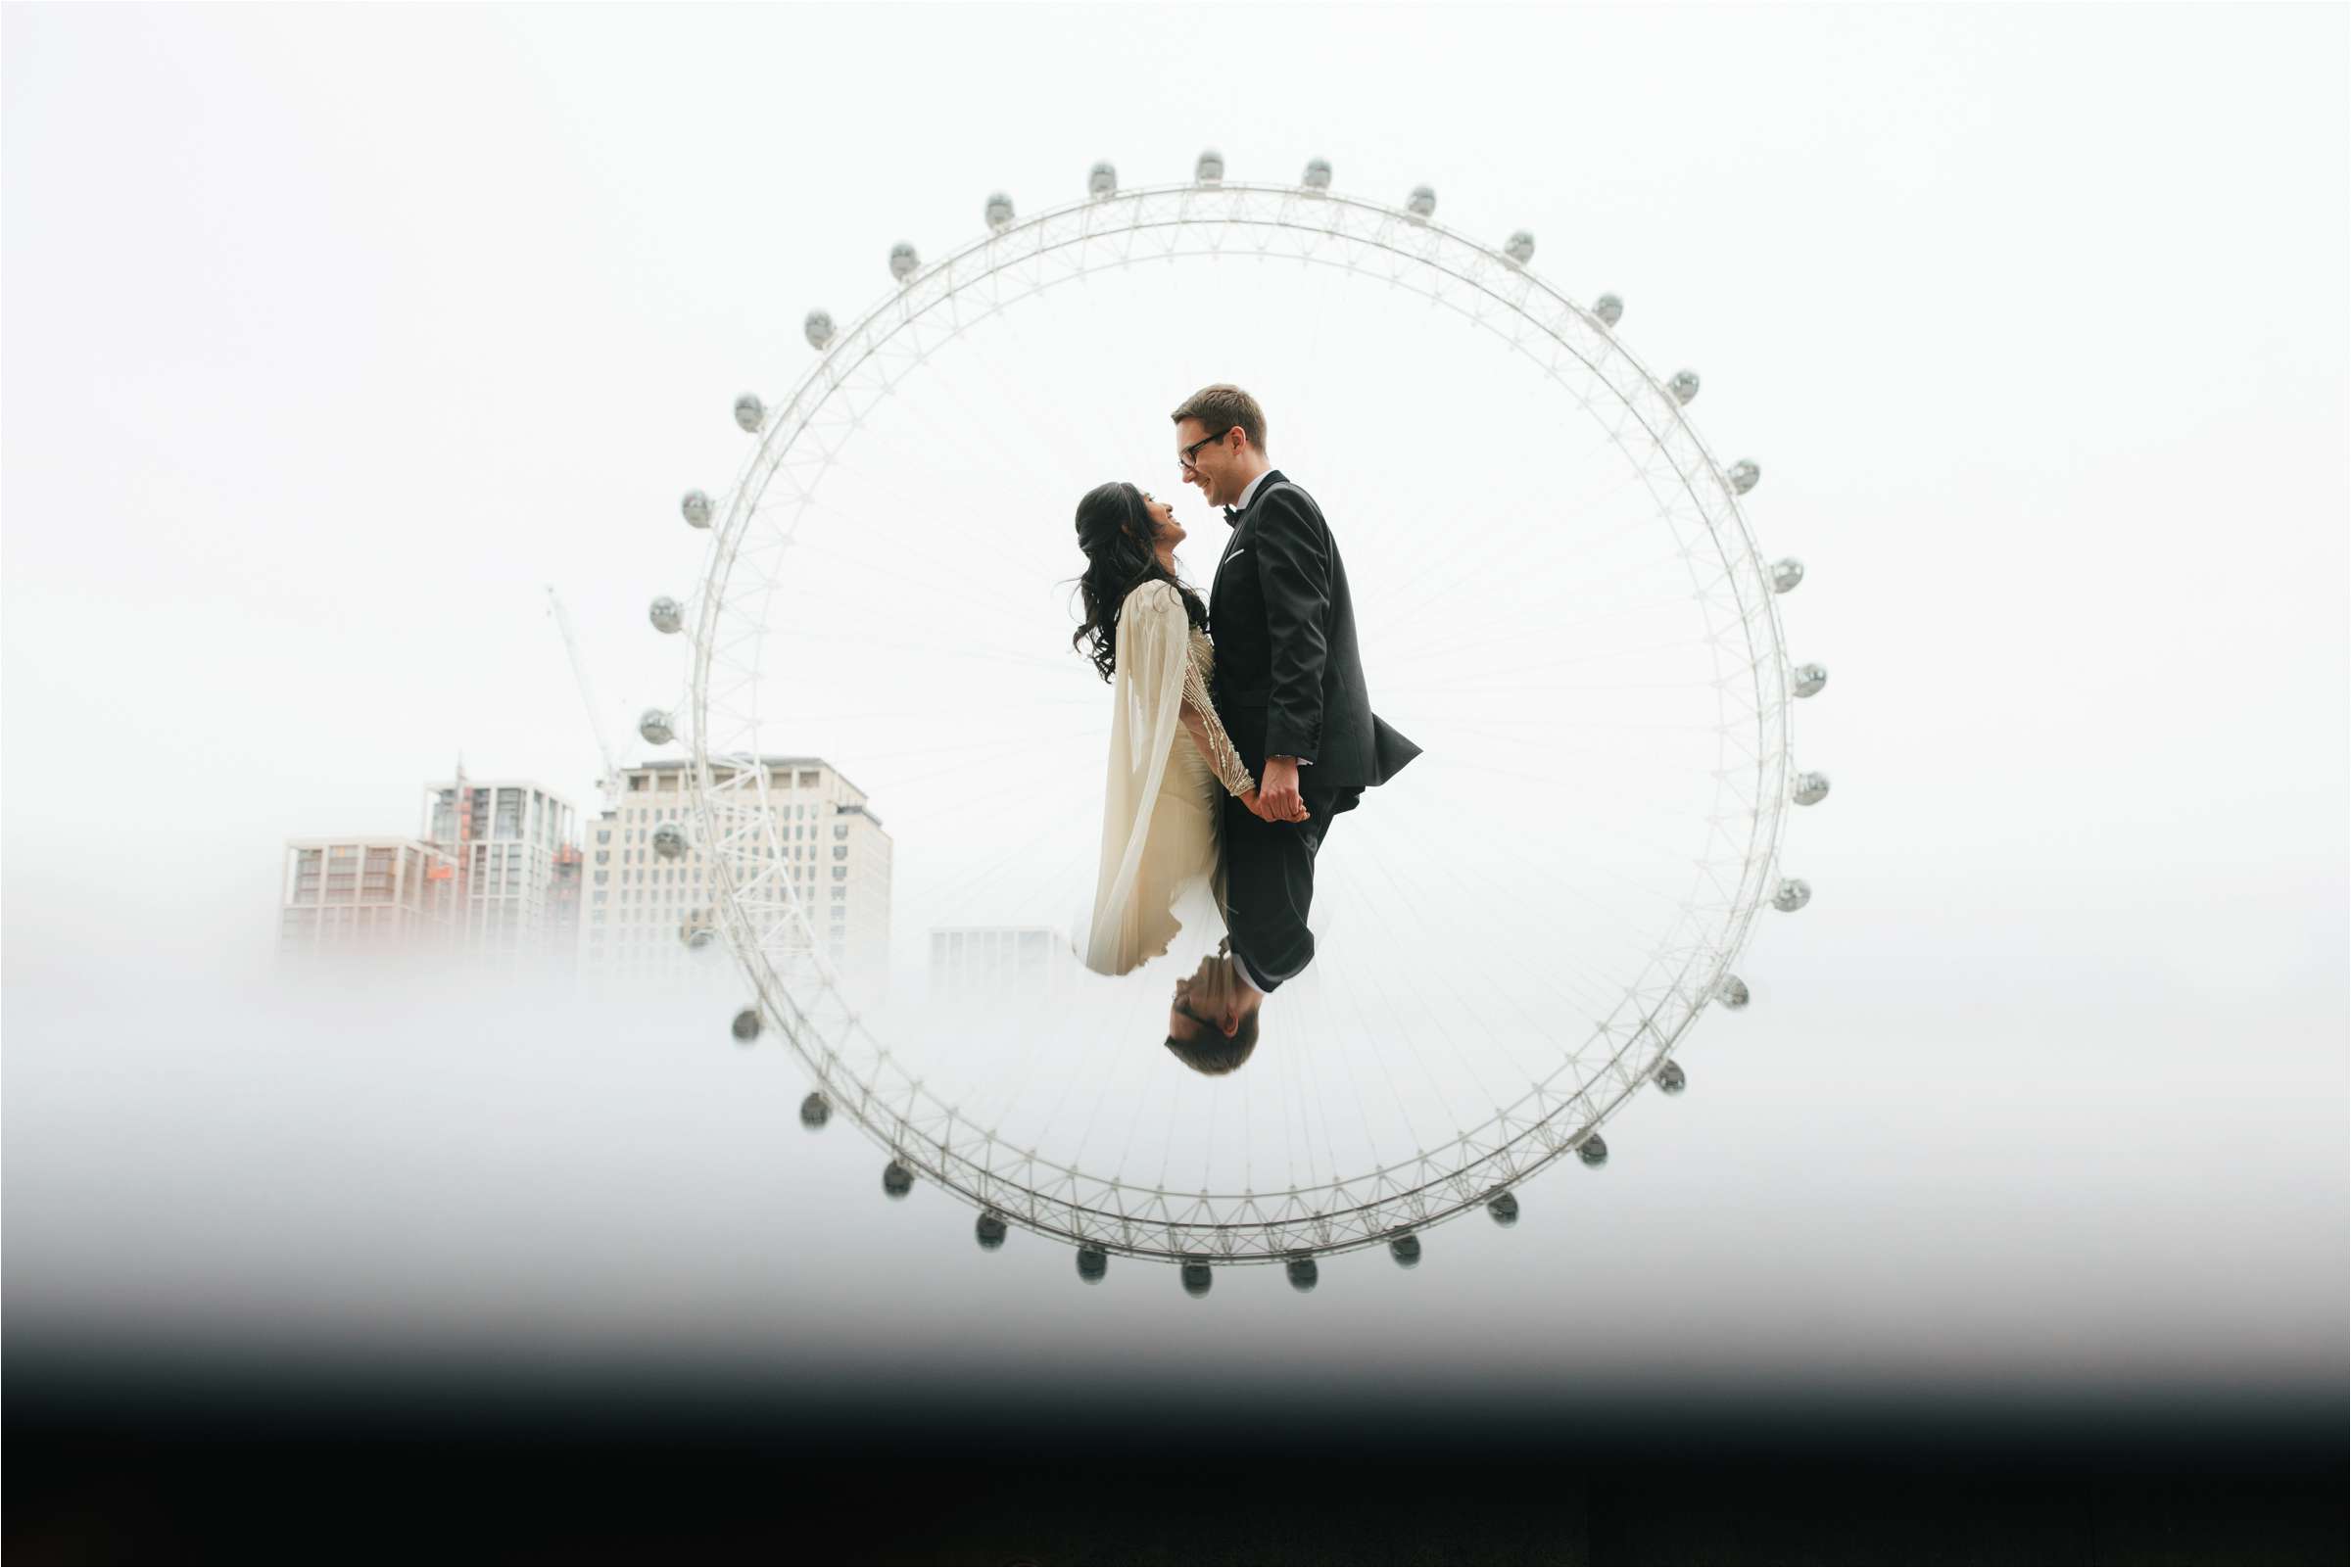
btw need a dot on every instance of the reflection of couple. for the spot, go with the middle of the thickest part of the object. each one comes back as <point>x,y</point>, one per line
<point>1228,760</point>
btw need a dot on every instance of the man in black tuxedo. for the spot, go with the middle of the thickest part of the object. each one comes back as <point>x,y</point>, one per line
<point>1289,689</point>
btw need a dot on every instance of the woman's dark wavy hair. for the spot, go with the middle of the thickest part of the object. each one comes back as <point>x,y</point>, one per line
<point>1114,532</point>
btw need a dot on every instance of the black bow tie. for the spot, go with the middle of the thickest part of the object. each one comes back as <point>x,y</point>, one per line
<point>1233,515</point>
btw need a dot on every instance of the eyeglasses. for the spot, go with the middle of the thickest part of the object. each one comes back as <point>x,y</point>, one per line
<point>1184,459</point>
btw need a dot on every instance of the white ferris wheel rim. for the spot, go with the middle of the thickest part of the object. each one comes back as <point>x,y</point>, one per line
<point>932,1139</point>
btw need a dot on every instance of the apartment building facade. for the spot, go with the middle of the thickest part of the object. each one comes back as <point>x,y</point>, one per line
<point>641,913</point>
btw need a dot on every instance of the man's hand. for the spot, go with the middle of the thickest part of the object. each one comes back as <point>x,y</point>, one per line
<point>1278,798</point>
<point>1255,800</point>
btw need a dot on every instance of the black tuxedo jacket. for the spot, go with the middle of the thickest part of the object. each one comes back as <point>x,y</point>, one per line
<point>1289,680</point>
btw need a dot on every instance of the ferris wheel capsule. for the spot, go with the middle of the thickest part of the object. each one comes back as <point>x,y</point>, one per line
<point>903,262</point>
<point>1503,1208</point>
<point>1421,204</point>
<point>896,1181</point>
<point>1742,475</point>
<point>1731,991</point>
<point>749,413</point>
<point>1210,169</point>
<point>745,1027</point>
<point>1811,788</point>
<point>1610,310</point>
<point>1794,894</point>
<point>653,725</point>
<point>1593,1151</point>
<point>1785,573</point>
<point>817,328</point>
<point>1671,1078</point>
<point>1520,248</point>
<point>1304,1274</point>
<point>1197,1278</point>
<point>1318,174</point>
<point>1101,180</point>
<point>1683,385</point>
<point>1405,1250</point>
<point>998,211</point>
<point>696,509</point>
<point>989,1231</point>
<point>695,934</point>
<point>1092,1263</point>
<point>666,614</point>
<point>815,1112</point>
<point>669,840</point>
<point>1810,678</point>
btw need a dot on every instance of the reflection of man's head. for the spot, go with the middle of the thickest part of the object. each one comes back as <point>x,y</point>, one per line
<point>1211,1028</point>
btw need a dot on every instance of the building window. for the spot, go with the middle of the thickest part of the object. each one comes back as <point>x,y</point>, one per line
<point>840,851</point>
<point>841,829</point>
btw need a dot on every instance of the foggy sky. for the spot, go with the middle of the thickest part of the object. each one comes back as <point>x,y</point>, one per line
<point>328,337</point>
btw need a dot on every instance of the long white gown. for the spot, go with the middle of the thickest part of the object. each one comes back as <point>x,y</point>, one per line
<point>1162,803</point>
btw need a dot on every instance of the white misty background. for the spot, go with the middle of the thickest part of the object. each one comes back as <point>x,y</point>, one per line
<point>331,335</point>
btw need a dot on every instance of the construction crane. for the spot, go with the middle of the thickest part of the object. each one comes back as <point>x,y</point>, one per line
<point>610,783</point>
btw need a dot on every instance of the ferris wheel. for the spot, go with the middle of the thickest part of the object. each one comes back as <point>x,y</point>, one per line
<point>1520,942</point>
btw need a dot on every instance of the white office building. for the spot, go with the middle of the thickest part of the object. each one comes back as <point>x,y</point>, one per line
<point>366,895</point>
<point>970,961</point>
<point>640,910</point>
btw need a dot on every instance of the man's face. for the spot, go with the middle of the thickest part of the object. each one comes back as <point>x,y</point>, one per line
<point>1214,466</point>
<point>1204,1002</point>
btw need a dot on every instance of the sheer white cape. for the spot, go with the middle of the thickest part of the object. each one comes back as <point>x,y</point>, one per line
<point>1160,801</point>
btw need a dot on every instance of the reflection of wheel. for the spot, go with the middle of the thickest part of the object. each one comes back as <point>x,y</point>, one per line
<point>1522,930</point>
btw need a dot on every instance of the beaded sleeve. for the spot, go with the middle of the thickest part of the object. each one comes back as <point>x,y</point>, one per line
<point>1200,717</point>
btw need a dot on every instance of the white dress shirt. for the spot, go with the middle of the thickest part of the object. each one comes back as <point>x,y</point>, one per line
<point>1242,504</point>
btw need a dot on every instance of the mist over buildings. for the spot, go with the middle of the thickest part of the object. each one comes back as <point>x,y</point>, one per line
<point>2043,1094</point>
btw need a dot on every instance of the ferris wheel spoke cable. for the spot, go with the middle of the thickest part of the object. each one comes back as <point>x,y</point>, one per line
<point>964,887</point>
<point>1379,978</point>
<point>1419,918</point>
<point>1455,1031</point>
<point>1128,1025</point>
<point>1372,979</point>
<point>1467,562</point>
<point>965,594</point>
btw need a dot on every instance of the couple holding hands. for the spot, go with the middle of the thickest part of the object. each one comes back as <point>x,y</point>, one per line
<point>1240,726</point>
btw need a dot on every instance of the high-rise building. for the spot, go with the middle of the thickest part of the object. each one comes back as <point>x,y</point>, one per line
<point>515,845</point>
<point>980,961</point>
<point>386,894</point>
<point>641,910</point>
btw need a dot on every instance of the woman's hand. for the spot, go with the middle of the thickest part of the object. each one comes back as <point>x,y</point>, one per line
<point>1255,801</point>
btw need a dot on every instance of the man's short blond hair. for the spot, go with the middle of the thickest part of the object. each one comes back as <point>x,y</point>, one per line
<point>1223,408</point>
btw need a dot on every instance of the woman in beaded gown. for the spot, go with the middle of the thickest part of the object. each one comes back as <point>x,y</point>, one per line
<point>1170,761</point>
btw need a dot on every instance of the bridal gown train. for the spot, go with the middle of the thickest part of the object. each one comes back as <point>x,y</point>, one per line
<point>1161,802</point>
